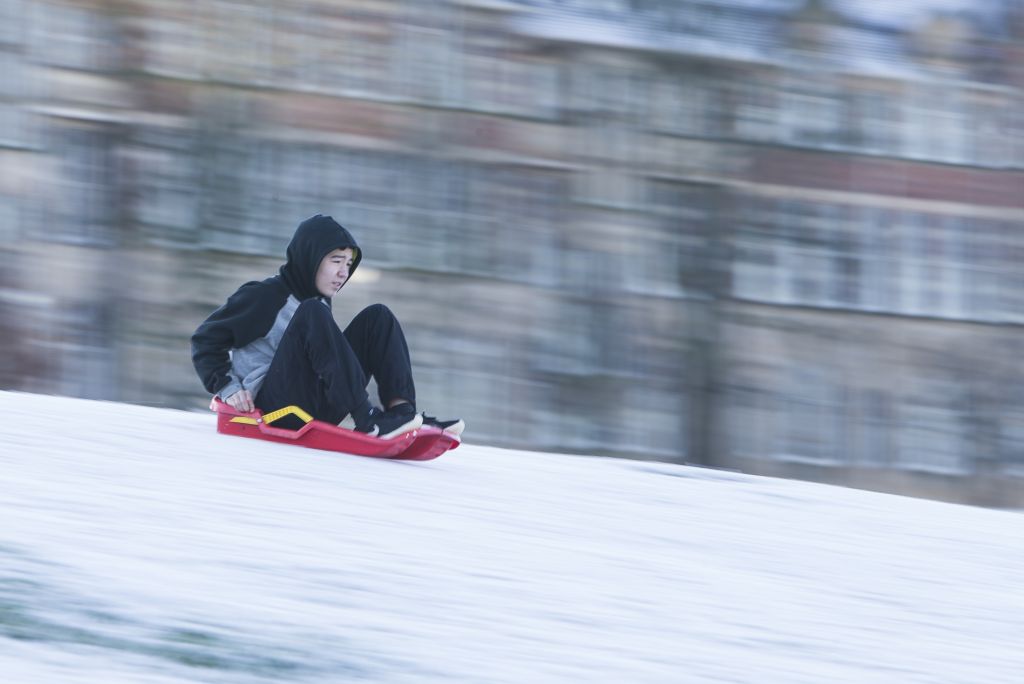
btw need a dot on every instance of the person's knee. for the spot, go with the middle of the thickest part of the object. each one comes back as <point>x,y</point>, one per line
<point>377,312</point>
<point>311,306</point>
<point>312,309</point>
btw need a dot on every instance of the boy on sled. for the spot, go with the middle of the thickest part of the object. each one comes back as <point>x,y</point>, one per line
<point>275,344</point>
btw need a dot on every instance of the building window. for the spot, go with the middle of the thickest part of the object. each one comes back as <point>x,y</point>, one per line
<point>917,263</point>
<point>16,125</point>
<point>935,125</point>
<point>168,185</point>
<point>366,58</point>
<point>174,47</point>
<point>811,410</point>
<point>237,41</point>
<point>1013,141</point>
<point>433,231</point>
<point>12,210</point>
<point>503,81</point>
<point>748,416</point>
<point>80,206</point>
<point>14,16</point>
<point>875,122</point>
<point>813,113</point>
<point>670,253</point>
<point>427,64</point>
<point>992,130</point>
<point>930,428</point>
<point>881,286</point>
<point>1011,429</point>
<point>875,428</point>
<point>808,253</point>
<point>513,215</point>
<point>72,38</point>
<point>255,194</point>
<point>684,104</point>
<point>653,421</point>
<point>944,273</point>
<point>575,349</point>
<point>823,254</point>
<point>847,255</point>
<point>364,187</point>
<point>13,71</point>
<point>87,352</point>
<point>756,273</point>
<point>756,113</point>
<point>993,271</point>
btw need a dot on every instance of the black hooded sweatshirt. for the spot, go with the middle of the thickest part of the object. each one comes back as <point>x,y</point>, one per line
<point>234,346</point>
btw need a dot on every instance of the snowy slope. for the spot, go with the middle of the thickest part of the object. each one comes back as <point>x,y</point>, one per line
<point>137,545</point>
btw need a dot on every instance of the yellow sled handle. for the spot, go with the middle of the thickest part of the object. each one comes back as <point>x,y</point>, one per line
<point>275,415</point>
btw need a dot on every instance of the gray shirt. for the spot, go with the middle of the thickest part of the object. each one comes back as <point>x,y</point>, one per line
<point>249,364</point>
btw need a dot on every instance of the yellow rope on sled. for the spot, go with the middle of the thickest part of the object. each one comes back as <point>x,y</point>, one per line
<point>273,416</point>
<point>286,411</point>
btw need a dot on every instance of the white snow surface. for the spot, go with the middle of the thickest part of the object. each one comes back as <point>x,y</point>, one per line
<point>138,545</point>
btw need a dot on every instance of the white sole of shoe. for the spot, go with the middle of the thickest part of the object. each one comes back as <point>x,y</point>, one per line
<point>349,423</point>
<point>456,429</point>
<point>414,423</point>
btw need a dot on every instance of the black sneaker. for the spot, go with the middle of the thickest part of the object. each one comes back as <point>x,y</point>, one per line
<point>452,427</point>
<point>389,424</point>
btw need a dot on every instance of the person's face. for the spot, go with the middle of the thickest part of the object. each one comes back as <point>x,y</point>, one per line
<point>333,271</point>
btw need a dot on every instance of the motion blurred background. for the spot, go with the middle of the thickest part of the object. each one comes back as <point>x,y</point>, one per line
<point>785,236</point>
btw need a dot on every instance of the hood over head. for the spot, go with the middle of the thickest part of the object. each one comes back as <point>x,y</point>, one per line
<point>313,239</point>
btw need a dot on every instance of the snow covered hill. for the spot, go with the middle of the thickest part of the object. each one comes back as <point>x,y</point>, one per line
<point>137,545</point>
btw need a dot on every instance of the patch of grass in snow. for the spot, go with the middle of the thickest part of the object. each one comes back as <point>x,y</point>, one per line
<point>33,611</point>
<point>211,652</point>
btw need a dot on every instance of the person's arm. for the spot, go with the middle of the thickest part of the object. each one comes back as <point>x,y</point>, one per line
<point>231,326</point>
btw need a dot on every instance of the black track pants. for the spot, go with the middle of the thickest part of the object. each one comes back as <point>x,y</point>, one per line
<point>325,371</point>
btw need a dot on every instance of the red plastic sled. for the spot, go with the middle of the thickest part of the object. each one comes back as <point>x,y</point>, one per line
<point>422,444</point>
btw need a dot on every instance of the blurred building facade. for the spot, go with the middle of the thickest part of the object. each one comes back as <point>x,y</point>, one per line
<point>779,235</point>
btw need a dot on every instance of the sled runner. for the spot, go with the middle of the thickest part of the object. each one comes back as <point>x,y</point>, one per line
<point>422,444</point>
